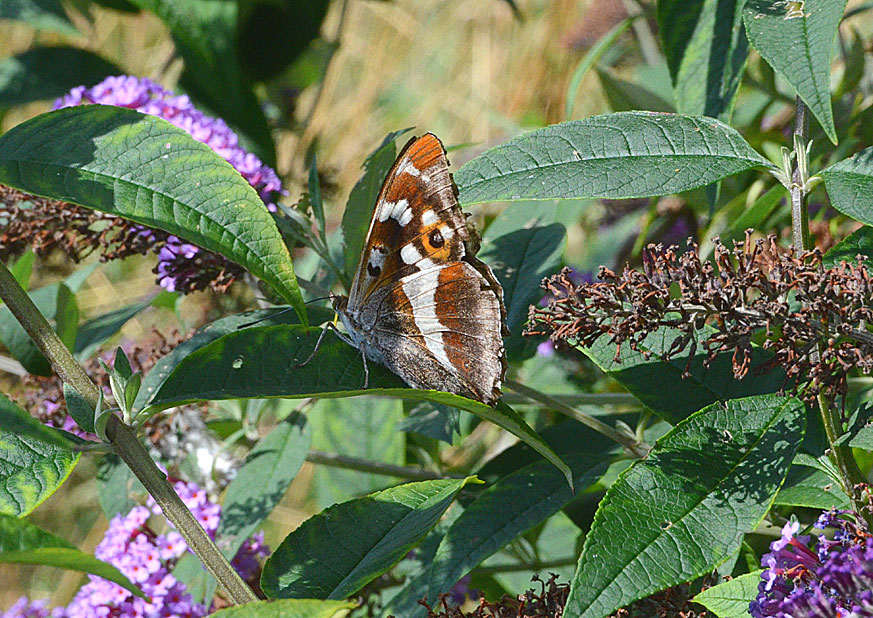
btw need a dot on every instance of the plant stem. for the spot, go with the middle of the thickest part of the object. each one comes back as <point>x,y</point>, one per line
<point>635,448</point>
<point>582,399</point>
<point>840,454</point>
<point>346,462</point>
<point>799,215</point>
<point>123,439</point>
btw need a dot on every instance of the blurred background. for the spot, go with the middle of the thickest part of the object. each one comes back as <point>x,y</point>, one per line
<point>475,72</point>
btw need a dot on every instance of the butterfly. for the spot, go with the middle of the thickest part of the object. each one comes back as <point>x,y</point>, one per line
<point>421,303</point>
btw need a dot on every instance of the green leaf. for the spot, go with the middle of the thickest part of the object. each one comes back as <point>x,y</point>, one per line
<point>347,428</point>
<point>272,34</point>
<point>334,554</point>
<point>23,543</point>
<point>58,304</point>
<point>199,583</point>
<point>659,384</point>
<point>45,15</point>
<point>850,185</point>
<point>511,506</point>
<point>15,421</point>
<point>795,38</point>
<point>521,252</point>
<point>213,331</point>
<point>22,269</point>
<point>205,34</point>
<point>362,199</point>
<point>706,48</point>
<point>590,59</point>
<point>32,466</point>
<point>668,519</point>
<point>629,154</point>
<point>624,96</point>
<point>315,195</point>
<point>42,73</point>
<point>94,333</point>
<point>144,169</point>
<point>811,488</point>
<point>258,362</point>
<point>731,599</point>
<point>859,242</point>
<point>432,420</point>
<point>78,408</point>
<point>262,482</point>
<point>115,483</point>
<point>288,608</point>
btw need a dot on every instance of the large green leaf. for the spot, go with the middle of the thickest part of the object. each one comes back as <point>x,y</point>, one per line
<point>365,429</point>
<point>215,330</point>
<point>40,14</point>
<point>288,608</point>
<point>362,200</point>
<point>23,543</point>
<point>334,554</point>
<point>811,488</point>
<point>58,304</point>
<point>706,49</point>
<point>850,185</point>
<point>521,251</point>
<point>94,333</point>
<point>625,96</point>
<point>31,468</point>
<point>205,33</point>
<point>273,34</point>
<point>684,509</point>
<point>629,154</point>
<point>258,362</point>
<point>795,38</point>
<point>143,168</point>
<point>659,384</point>
<point>859,242</point>
<point>261,482</point>
<point>731,599</point>
<point>512,505</point>
<point>48,72</point>
<point>115,483</point>
<point>17,422</point>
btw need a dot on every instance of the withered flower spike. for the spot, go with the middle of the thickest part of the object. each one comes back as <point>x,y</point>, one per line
<point>813,319</point>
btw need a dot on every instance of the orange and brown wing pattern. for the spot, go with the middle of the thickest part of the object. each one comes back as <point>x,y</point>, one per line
<point>451,315</point>
<point>417,222</point>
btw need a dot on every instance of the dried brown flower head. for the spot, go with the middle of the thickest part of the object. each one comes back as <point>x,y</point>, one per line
<point>813,319</point>
<point>27,221</point>
<point>549,602</point>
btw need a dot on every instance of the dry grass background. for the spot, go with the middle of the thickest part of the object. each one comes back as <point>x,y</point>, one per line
<point>467,70</point>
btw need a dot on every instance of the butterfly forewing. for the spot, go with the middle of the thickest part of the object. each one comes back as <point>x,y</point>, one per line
<point>421,302</point>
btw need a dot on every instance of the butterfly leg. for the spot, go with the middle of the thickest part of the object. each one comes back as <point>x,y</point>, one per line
<point>366,369</point>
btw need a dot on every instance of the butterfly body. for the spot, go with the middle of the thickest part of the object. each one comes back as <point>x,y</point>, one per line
<point>421,303</point>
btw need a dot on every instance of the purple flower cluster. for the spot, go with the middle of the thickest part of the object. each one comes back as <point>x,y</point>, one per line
<point>177,268</point>
<point>147,559</point>
<point>835,581</point>
<point>147,97</point>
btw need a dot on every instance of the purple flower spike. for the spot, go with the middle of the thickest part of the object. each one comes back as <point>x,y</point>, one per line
<point>834,582</point>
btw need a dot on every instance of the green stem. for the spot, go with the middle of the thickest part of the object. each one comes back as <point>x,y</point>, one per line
<point>346,462</point>
<point>634,447</point>
<point>123,439</point>
<point>840,454</point>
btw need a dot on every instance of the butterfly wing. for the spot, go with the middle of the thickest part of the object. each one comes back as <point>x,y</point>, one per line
<point>433,311</point>
<point>417,198</point>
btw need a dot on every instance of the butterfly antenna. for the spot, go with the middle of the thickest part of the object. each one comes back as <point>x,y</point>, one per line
<point>280,312</point>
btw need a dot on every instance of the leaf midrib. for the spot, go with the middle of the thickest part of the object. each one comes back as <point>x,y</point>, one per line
<point>184,205</point>
<point>758,163</point>
<point>660,534</point>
